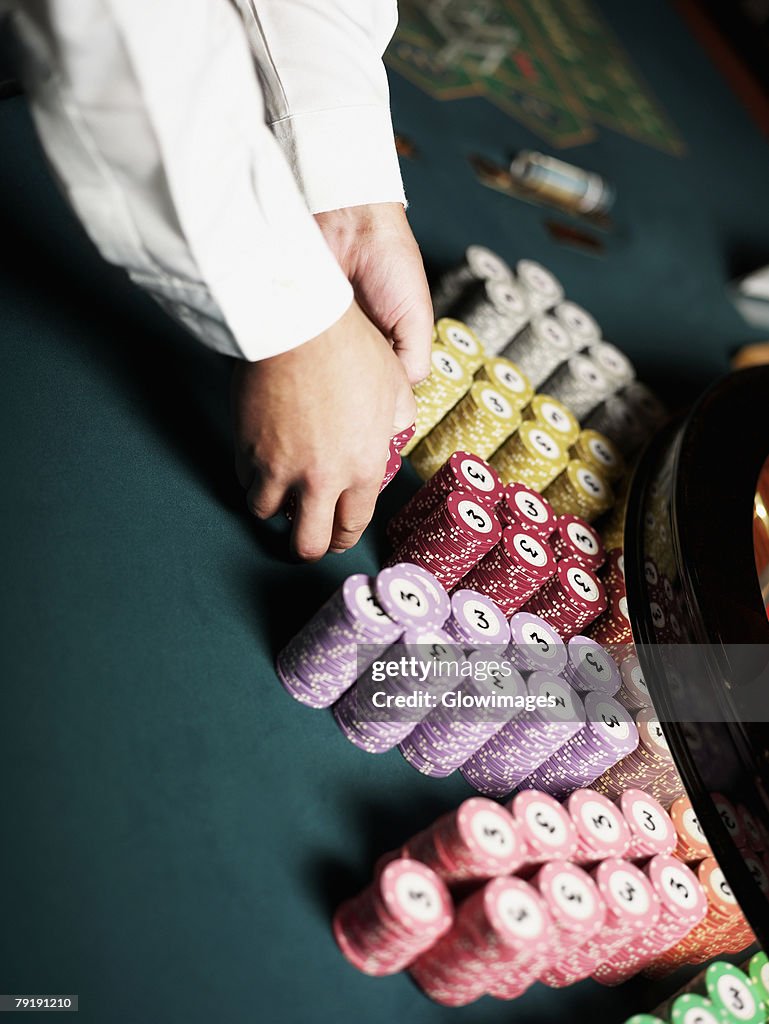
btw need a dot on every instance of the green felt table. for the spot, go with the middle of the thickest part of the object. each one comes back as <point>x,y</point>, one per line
<point>176,830</point>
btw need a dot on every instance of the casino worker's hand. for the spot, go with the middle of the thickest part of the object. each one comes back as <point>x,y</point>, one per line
<point>197,141</point>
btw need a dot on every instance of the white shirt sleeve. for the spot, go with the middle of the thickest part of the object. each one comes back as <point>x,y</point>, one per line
<point>327,95</point>
<point>153,120</point>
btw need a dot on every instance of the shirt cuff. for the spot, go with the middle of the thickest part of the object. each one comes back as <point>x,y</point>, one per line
<point>342,157</point>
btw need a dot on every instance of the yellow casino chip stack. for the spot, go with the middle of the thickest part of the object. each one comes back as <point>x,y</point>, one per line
<point>449,379</point>
<point>479,423</point>
<point>532,457</point>
<point>507,378</point>
<point>580,491</point>
<point>461,341</point>
<point>601,453</point>
<point>554,417</point>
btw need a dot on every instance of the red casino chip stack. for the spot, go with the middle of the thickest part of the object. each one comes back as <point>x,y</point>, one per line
<point>577,912</point>
<point>402,913</point>
<point>613,627</point>
<point>575,538</point>
<point>458,533</point>
<point>522,506</point>
<point>651,828</point>
<point>649,767</point>
<point>462,471</point>
<point>478,840</point>
<point>691,844</point>
<point>497,933</point>
<point>514,570</point>
<point>632,908</point>
<point>682,906</point>
<point>570,600</point>
<point>546,829</point>
<point>602,831</point>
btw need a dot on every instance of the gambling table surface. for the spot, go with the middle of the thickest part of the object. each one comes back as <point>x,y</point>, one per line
<point>176,830</point>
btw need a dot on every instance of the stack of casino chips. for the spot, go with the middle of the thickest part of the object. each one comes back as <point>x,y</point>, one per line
<point>682,906</point>
<point>602,831</point>
<point>531,456</point>
<point>462,471</point>
<point>507,378</point>
<point>757,969</point>
<point>535,646</point>
<point>478,264</point>
<point>403,912</point>
<point>461,340</point>
<point>651,828</point>
<point>609,734</point>
<point>633,693</point>
<point>411,597</point>
<point>513,570</point>
<point>540,348</point>
<point>600,453</point>
<point>590,668</point>
<point>628,417</point>
<point>614,628</point>
<point>378,727</point>
<point>580,385</point>
<point>525,742</point>
<point>447,737</point>
<point>571,599</point>
<point>575,538</point>
<point>582,327</point>
<point>452,538</point>
<point>478,840</point>
<point>449,380</point>
<point>479,423</point>
<point>580,490</point>
<point>545,828</point>
<point>691,844</point>
<point>614,365</point>
<point>542,288</point>
<point>519,505</point>
<point>495,310</point>
<point>649,767</point>
<point>722,928</point>
<point>498,931</point>
<point>721,994</point>
<point>577,912</point>
<point>631,909</point>
<point>322,660</point>
<point>554,417</point>
<point>475,620</point>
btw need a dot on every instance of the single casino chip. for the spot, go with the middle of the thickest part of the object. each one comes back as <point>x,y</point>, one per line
<point>513,570</point>
<point>600,453</point>
<point>476,620</point>
<point>531,456</point>
<point>582,327</point>
<point>539,348</point>
<point>554,417</point>
<point>571,599</point>
<point>730,989</point>
<point>573,537</point>
<point>547,831</point>
<point>448,381</point>
<point>388,925</point>
<point>580,491</point>
<point>522,506</point>
<point>535,645</point>
<point>508,378</point>
<point>480,422</point>
<point>435,592</point>
<point>543,288</point>
<point>601,828</point>
<point>323,660</point>
<point>591,668</point>
<point>651,829</point>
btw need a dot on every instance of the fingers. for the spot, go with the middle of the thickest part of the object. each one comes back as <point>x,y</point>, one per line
<point>266,496</point>
<point>412,339</point>
<point>314,522</point>
<point>353,514</point>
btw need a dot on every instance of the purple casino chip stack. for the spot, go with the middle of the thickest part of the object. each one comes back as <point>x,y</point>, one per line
<point>527,740</point>
<point>608,735</point>
<point>412,596</point>
<point>376,714</point>
<point>322,660</point>
<point>590,667</point>
<point>535,646</point>
<point>476,621</point>
<point>480,706</point>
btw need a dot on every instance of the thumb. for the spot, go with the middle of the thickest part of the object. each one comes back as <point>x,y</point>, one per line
<point>405,407</point>
<point>412,340</point>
